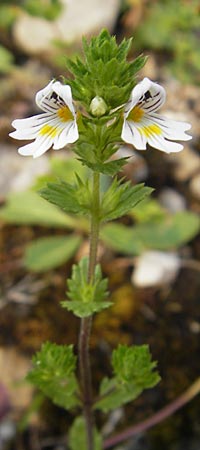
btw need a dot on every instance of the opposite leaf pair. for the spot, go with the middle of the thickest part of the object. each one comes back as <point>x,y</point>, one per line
<point>57,125</point>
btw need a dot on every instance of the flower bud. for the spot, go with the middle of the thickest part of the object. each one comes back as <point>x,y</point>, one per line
<point>98,106</point>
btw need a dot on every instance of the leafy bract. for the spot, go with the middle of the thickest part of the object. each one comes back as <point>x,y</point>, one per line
<point>133,372</point>
<point>105,71</point>
<point>97,143</point>
<point>77,199</point>
<point>86,297</point>
<point>121,197</point>
<point>78,436</point>
<point>72,198</point>
<point>50,252</point>
<point>53,373</point>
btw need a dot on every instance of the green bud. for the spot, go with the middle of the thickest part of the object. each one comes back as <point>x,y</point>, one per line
<point>98,106</point>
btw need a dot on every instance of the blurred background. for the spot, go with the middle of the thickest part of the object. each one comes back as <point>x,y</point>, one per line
<point>151,256</point>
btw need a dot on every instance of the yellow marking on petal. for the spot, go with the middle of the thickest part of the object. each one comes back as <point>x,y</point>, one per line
<point>48,130</point>
<point>65,114</point>
<point>136,114</point>
<point>150,130</point>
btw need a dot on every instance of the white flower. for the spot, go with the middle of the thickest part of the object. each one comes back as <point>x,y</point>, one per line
<point>142,125</point>
<point>56,126</point>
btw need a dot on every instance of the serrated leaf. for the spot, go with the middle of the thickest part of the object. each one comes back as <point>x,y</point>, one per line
<point>169,233</point>
<point>78,436</point>
<point>86,297</point>
<point>107,168</point>
<point>115,395</point>
<point>133,364</point>
<point>105,71</point>
<point>50,252</point>
<point>76,198</point>
<point>29,208</point>
<point>85,309</point>
<point>53,373</point>
<point>121,197</point>
<point>133,372</point>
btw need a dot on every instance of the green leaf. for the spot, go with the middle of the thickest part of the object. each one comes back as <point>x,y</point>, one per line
<point>122,239</point>
<point>61,169</point>
<point>133,372</point>
<point>50,252</point>
<point>76,199</point>
<point>169,233</point>
<point>133,364</point>
<point>8,15</point>
<point>53,373</point>
<point>48,9</point>
<point>107,168</point>
<point>86,298</point>
<point>148,210</point>
<point>66,169</point>
<point>115,394</point>
<point>6,60</point>
<point>121,197</point>
<point>29,208</point>
<point>78,436</point>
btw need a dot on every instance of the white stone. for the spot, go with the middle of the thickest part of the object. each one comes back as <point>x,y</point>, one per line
<point>33,34</point>
<point>172,200</point>
<point>19,173</point>
<point>77,18</point>
<point>155,268</point>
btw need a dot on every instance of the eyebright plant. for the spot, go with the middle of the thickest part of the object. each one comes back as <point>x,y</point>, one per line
<point>97,109</point>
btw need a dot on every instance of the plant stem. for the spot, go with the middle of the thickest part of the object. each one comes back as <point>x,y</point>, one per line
<point>158,417</point>
<point>86,323</point>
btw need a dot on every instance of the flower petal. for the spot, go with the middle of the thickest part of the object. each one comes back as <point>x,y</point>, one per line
<point>43,93</point>
<point>160,143</point>
<point>64,92</point>
<point>172,129</point>
<point>42,146</point>
<point>149,96</point>
<point>68,135</point>
<point>36,148</point>
<point>131,135</point>
<point>21,124</point>
<point>48,100</point>
<point>33,131</point>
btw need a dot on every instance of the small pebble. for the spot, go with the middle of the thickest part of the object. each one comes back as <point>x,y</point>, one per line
<point>155,268</point>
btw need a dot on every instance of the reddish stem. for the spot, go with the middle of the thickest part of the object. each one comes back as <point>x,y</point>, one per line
<point>158,417</point>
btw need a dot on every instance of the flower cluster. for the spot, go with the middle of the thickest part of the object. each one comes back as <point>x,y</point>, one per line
<point>57,125</point>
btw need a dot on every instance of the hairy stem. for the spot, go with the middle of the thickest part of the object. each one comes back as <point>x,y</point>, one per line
<point>86,323</point>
